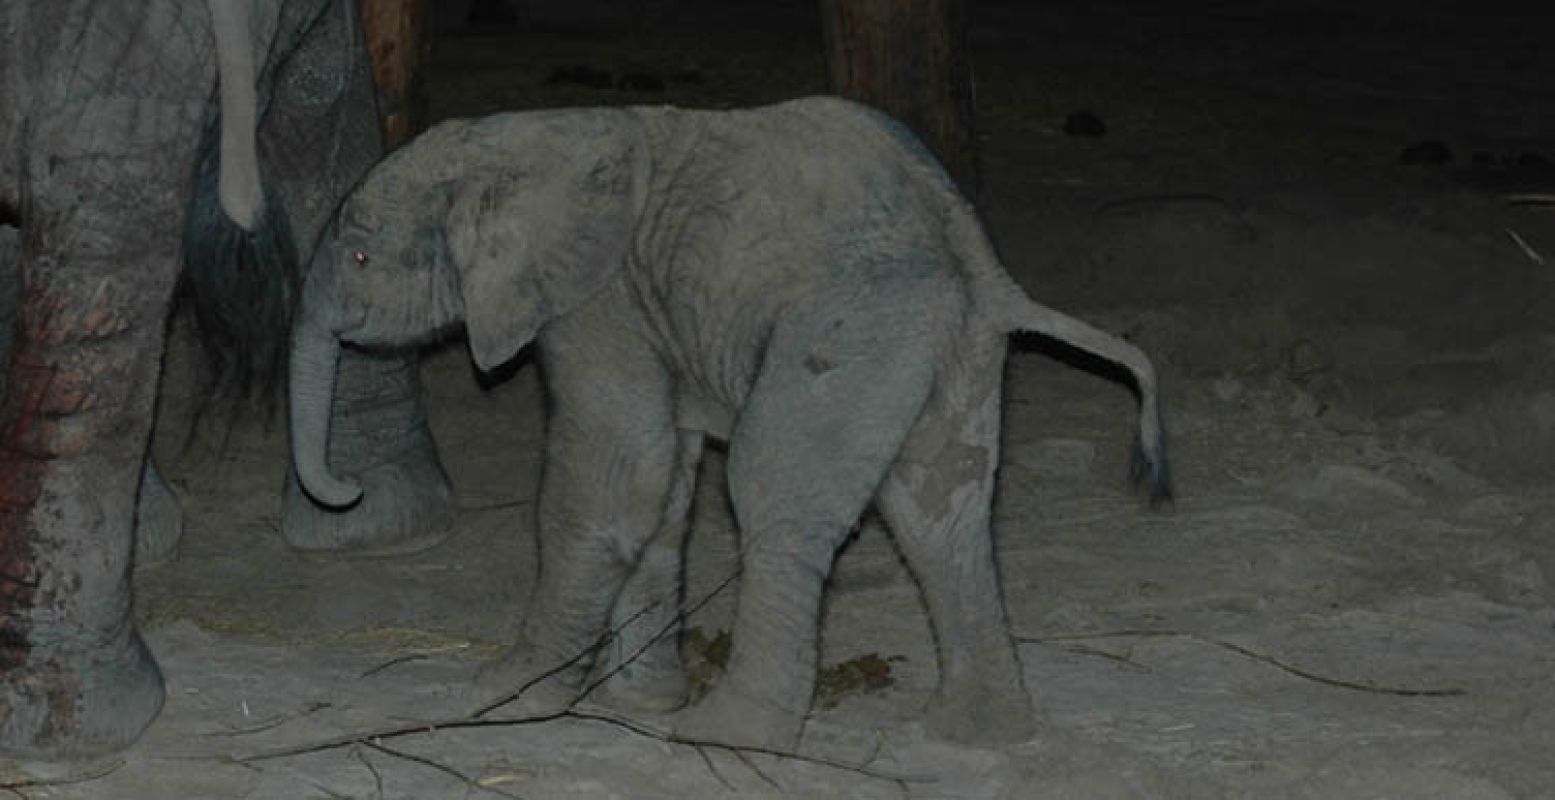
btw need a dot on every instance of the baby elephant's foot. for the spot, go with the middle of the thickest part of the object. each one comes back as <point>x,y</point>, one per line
<point>726,716</point>
<point>982,716</point>
<point>651,679</point>
<point>524,684</point>
<point>655,691</point>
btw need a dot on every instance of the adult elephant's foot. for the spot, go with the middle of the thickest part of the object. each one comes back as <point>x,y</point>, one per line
<point>981,715</point>
<point>70,704</point>
<point>525,683</point>
<point>740,719</point>
<point>159,521</point>
<point>378,435</point>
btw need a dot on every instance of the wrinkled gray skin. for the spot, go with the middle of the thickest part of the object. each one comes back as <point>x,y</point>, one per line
<point>800,280</point>
<point>102,108</point>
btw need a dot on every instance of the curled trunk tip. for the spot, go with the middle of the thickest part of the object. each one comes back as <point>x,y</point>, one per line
<point>315,357</point>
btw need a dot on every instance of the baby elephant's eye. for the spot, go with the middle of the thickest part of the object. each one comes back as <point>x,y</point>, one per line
<point>360,257</point>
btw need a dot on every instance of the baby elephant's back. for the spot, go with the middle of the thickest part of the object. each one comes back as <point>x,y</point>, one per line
<point>828,189</point>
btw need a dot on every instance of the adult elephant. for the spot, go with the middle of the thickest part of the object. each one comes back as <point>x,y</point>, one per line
<point>109,153</point>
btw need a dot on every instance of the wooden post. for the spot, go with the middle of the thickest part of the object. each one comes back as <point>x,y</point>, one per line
<point>909,59</point>
<point>399,44</point>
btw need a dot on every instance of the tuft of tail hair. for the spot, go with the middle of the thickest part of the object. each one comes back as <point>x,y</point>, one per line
<point>1150,468</point>
<point>244,285</point>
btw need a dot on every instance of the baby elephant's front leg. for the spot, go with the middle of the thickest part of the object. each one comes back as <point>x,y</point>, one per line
<point>640,668</point>
<point>604,488</point>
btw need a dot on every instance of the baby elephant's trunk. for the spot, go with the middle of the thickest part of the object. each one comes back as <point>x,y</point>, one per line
<point>315,356</point>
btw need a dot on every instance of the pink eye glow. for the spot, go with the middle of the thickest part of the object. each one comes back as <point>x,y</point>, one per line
<point>360,257</point>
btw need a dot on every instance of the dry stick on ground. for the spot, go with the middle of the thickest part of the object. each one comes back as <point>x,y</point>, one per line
<point>599,643</point>
<point>1243,651</point>
<point>375,740</point>
<point>409,657</point>
<point>683,614</point>
<point>440,767</point>
<point>685,611</point>
<point>1529,199</point>
<point>1522,244</point>
<point>713,769</point>
<point>751,765</point>
<point>1126,661</point>
<point>743,750</point>
<point>273,722</point>
<point>366,762</point>
<point>480,720</point>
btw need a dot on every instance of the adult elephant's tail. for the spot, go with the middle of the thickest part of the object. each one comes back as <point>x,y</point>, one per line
<point>241,260</point>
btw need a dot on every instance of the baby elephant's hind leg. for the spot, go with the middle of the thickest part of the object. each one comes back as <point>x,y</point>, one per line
<point>812,444</point>
<point>937,499</point>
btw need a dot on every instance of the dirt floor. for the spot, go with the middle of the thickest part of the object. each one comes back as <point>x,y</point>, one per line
<point>1354,596</point>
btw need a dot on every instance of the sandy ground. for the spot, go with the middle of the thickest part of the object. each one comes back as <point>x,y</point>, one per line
<point>1354,596</point>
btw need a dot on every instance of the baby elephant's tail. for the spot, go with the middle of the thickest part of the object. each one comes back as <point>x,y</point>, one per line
<point>1006,308</point>
<point>1019,313</point>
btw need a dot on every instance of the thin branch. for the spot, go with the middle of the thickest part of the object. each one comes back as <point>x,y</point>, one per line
<point>685,612</point>
<point>1522,244</point>
<point>788,755</point>
<point>377,776</point>
<point>271,723</point>
<point>1336,682</point>
<point>713,768</point>
<point>751,765</point>
<point>479,719</point>
<point>1092,651</point>
<point>440,767</point>
<point>1529,199</point>
<point>1339,683</point>
<point>363,737</point>
<point>680,617</point>
<point>393,662</point>
<point>375,739</point>
<point>538,679</point>
<point>417,656</point>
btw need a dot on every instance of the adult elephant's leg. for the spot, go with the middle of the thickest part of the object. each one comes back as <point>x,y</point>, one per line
<point>379,434</point>
<point>938,500</point>
<point>641,667</point>
<point>75,678</point>
<point>318,138</point>
<point>159,520</point>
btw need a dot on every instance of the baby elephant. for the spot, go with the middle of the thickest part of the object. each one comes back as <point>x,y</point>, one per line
<point>800,280</point>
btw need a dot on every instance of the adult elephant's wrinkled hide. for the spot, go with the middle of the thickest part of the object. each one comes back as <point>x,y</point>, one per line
<point>801,280</point>
<point>112,157</point>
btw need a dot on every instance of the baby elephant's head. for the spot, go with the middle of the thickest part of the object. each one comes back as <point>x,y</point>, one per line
<point>383,276</point>
<point>502,223</point>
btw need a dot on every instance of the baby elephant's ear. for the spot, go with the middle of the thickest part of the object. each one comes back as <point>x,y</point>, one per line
<point>531,244</point>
